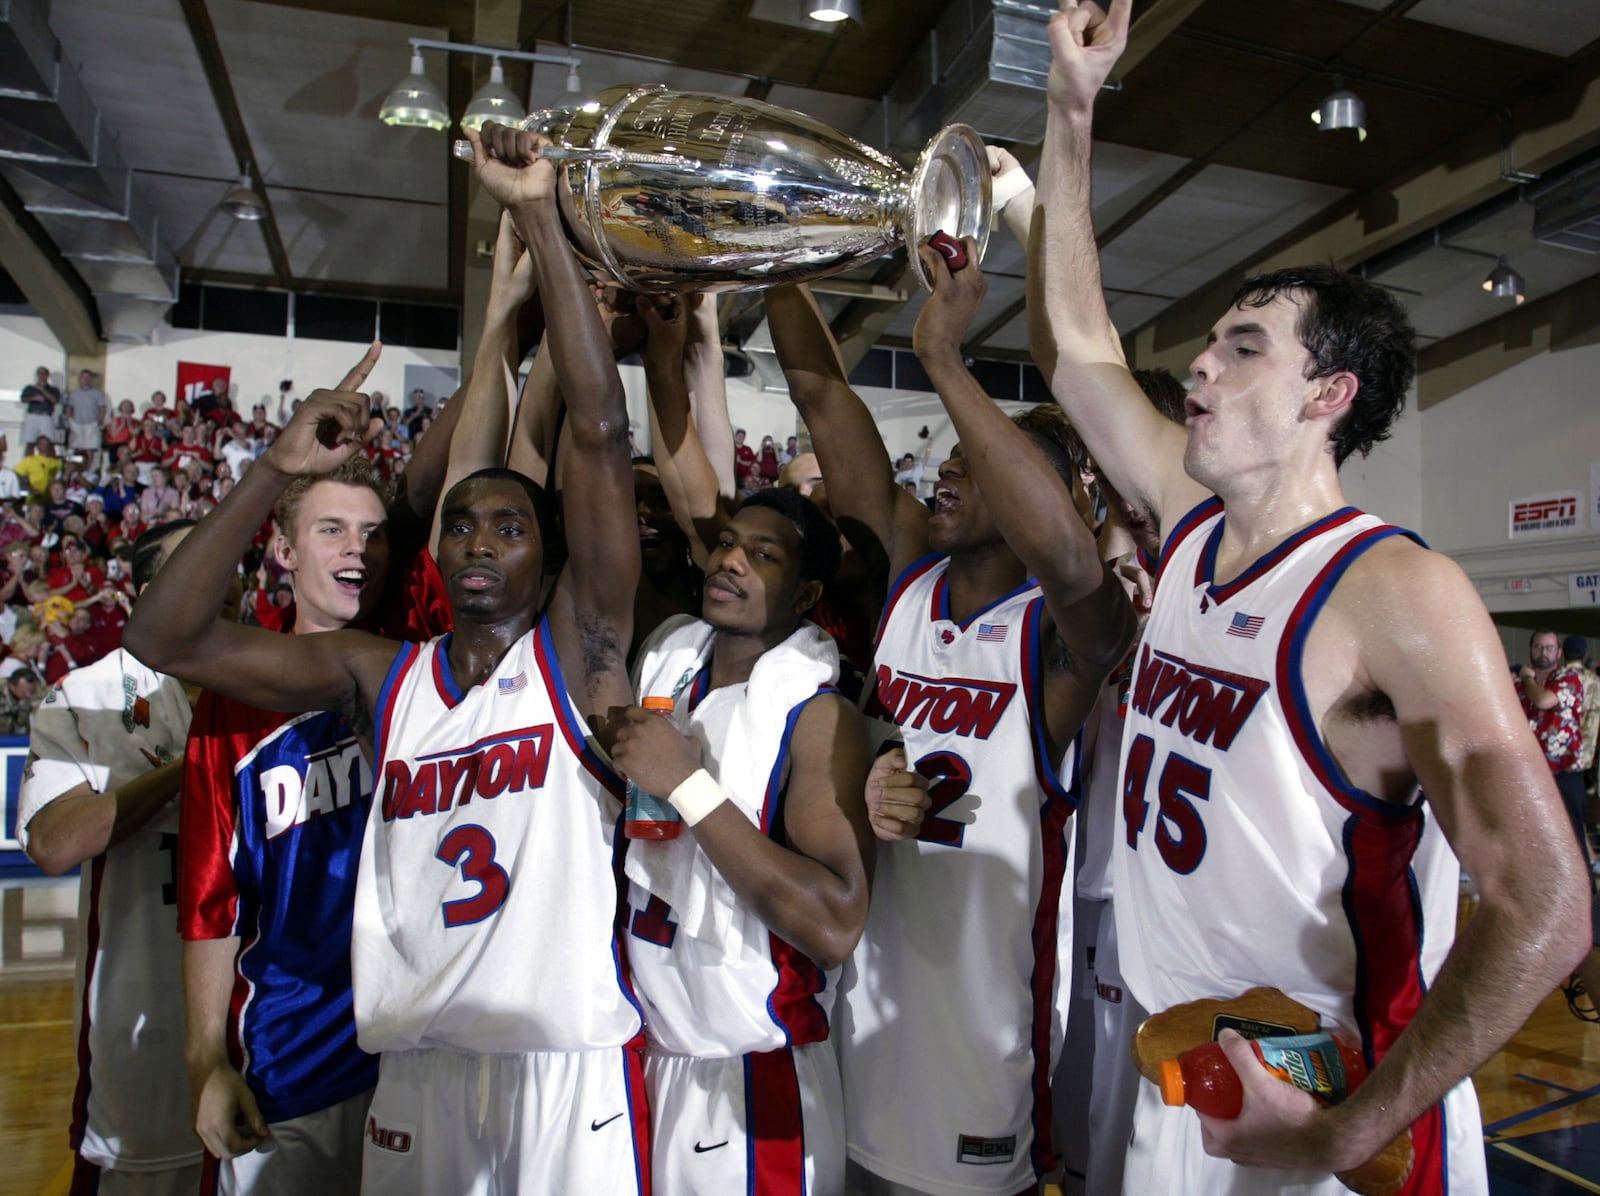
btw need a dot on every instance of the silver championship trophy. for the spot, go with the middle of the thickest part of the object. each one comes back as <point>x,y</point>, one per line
<point>682,191</point>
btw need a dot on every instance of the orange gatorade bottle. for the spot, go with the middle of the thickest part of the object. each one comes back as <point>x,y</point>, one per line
<point>1320,1064</point>
<point>648,816</point>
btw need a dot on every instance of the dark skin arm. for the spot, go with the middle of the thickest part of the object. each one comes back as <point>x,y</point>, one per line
<point>812,893</point>
<point>1090,621</point>
<point>591,611</point>
<point>883,522</point>
<point>175,628</point>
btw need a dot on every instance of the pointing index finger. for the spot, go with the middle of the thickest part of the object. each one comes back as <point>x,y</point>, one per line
<point>358,375</point>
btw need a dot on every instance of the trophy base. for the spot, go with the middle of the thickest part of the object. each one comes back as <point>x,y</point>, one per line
<point>949,191</point>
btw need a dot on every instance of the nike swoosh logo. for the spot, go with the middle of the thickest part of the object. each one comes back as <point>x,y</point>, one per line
<point>698,1149</point>
<point>596,1125</point>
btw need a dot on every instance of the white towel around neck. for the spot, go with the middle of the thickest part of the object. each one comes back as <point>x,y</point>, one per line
<point>675,870</point>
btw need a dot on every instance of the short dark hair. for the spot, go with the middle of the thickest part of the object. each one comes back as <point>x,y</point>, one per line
<point>819,538</point>
<point>23,675</point>
<point>150,550</point>
<point>1052,431</point>
<point>1550,631</point>
<point>1165,392</point>
<point>1347,323</point>
<point>544,507</point>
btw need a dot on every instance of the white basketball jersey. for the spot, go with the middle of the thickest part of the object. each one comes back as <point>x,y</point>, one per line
<point>1246,858</point>
<point>952,1020</point>
<point>106,724</point>
<point>1101,813</point>
<point>700,998</point>
<point>487,896</point>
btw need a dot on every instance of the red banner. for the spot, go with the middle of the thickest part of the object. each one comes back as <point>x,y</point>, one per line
<point>195,379</point>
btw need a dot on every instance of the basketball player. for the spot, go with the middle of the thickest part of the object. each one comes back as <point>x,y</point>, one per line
<point>1304,670</point>
<point>743,1082</point>
<point>107,750</point>
<point>484,958</point>
<point>998,632</point>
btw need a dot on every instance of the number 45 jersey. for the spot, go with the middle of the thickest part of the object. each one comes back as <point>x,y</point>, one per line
<point>487,896</point>
<point>952,1011</point>
<point>1245,857</point>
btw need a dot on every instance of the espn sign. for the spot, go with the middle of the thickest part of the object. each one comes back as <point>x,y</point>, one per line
<point>1546,515</point>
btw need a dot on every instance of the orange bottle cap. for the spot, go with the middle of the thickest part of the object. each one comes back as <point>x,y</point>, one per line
<point>1171,1082</point>
<point>657,702</point>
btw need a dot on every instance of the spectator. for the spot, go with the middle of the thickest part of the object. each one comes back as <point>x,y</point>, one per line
<point>87,409</point>
<point>259,423</point>
<point>10,483</point>
<point>39,400</point>
<point>416,412</point>
<point>235,445</point>
<point>767,463</point>
<point>19,697</point>
<point>160,495</point>
<point>744,460</point>
<point>58,506</point>
<point>40,467</point>
<point>75,579</point>
<point>791,450</point>
<point>120,489</point>
<point>120,428</point>
<point>1551,692</point>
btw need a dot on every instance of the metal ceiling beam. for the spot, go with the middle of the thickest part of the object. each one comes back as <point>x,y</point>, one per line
<point>50,284</point>
<point>1560,120</point>
<point>433,296</point>
<point>1565,320</point>
<point>209,50</point>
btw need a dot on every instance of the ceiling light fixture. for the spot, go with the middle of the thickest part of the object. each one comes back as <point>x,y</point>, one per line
<point>1342,109</point>
<point>493,101</point>
<point>831,12</point>
<point>415,103</point>
<point>242,203</point>
<point>1505,283</point>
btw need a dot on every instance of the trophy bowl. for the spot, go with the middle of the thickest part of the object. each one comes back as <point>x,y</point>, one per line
<point>666,190</point>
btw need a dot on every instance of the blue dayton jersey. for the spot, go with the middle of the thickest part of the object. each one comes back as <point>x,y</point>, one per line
<point>274,808</point>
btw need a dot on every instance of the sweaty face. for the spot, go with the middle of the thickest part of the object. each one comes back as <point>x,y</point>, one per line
<point>960,518</point>
<point>490,553</point>
<point>753,577</point>
<point>1250,389</point>
<point>338,552</point>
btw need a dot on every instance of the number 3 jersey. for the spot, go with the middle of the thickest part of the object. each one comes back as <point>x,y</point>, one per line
<point>487,896</point>
<point>951,1023</point>
<point>1245,857</point>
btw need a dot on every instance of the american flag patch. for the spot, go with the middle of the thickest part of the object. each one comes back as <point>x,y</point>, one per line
<point>992,633</point>
<point>510,685</point>
<point>1246,626</point>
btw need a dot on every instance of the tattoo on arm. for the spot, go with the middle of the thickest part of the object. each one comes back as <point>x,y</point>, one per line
<point>1059,658</point>
<point>604,653</point>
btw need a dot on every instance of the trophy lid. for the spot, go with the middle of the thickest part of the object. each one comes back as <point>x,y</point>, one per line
<point>950,190</point>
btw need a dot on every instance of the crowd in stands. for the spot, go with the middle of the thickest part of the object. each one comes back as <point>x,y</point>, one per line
<point>93,475</point>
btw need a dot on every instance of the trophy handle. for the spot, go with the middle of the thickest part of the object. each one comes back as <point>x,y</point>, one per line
<point>606,157</point>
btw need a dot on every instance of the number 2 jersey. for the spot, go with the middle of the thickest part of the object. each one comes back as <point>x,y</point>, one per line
<point>1247,858</point>
<point>487,896</point>
<point>951,1024</point>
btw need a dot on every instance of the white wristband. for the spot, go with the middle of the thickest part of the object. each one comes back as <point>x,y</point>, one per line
<point>696,797</point>
<point>1006,187</point>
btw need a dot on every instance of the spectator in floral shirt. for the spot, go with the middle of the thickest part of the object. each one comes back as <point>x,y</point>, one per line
<point>1551,692</point>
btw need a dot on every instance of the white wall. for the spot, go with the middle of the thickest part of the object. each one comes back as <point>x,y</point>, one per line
<point>259,363</point>
<point>1530,430</point>
<point>1388,482</point>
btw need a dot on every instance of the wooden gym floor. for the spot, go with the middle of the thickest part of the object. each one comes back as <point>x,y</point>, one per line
<point>1540,1096</point>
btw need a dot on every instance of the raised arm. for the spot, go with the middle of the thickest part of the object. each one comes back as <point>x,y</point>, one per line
<point>484,403</point>
<point>592,610</point>
<point>1422,639</point>
<point>691,484</point>
<point>707,379</point>
<point>1073,341</point>
<point>1032,504</point>
<point>175,625</point>
<point>855,465</point>
<point>812,893</point>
